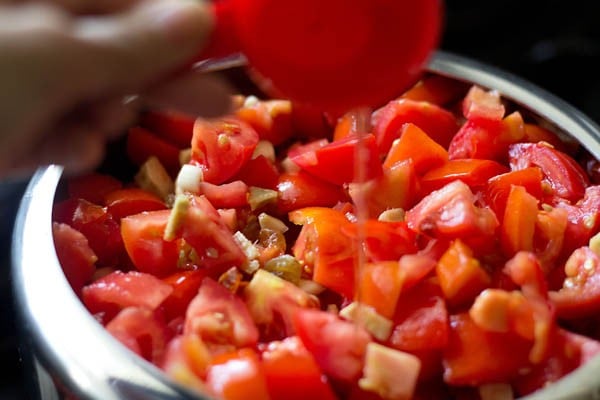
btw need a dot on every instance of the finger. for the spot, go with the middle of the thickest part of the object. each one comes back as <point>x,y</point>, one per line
<point>196,94</point>
<point>82,7</point>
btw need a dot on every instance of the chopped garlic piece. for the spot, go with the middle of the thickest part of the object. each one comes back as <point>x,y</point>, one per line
<point>367,317</point>
<point>154,178</point>
<point>177,216</point>
<point>250,250</point>
<point>264,148</point>
<point>392,215</point>
<point>188,180</point>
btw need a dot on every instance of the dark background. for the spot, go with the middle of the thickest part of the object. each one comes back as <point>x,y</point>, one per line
<point>554,44</point>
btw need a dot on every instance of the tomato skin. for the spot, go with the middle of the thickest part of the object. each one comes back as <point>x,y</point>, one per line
<point>219,316</point>
<point>123,202</point>
<point>499,186</point>
<point>141,331</point>
<point>474,356</point>
<point>415,144</point>
<point>142,144</point>
<point>173,126</point>
<point>226,195</point>
<point>384,240</point>
<point>335,162</point>
<point>96,224</point>
<point>580,294</point>
<point>566,178</point>
<point>518,223</point>
<point>473,172</point>
<point>237,375</point>
<point>439,124</point>
<point>76,257</point>
<point>143,238</point>
<point>92,187</point>
<point>301,189</point>
<point>222,147</point>
<point>420,320</point>
<point>583,219</point>
<point>379,286</point>
<point>119,290</point>
<point>272,119</point>
<point>436,89</point>
<point>338,346</point>
<point>292,372</point>
<point>480,104</point>
<point>475,139</point>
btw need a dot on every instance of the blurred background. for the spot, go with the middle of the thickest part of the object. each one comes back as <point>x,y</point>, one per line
<point>554,44</point>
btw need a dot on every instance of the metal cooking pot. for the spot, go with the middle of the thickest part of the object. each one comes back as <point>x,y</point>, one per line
<point>71,350</point>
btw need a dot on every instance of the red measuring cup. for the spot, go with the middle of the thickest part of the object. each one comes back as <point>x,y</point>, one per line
<point>332,54</point>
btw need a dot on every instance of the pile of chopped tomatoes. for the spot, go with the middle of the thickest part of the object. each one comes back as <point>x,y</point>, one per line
<point>236,260</point>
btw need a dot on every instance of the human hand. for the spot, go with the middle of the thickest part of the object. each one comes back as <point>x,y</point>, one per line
<point>66,67</point>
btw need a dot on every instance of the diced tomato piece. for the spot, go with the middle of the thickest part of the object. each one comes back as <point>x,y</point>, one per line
<point>173,126</point>
<point>141,331</point>
<point>535,133</point>
<point>451,212</point>
<point>323,242</point>
<point>92,187</point>
<point>237,376</point>
<point>473,172</point>
<point>300,189</point>
<point>518,222</point>
<point>475,356</point>
<point>436,89</point>
<point>185,286</point>
<point>349,124</point>
<point>437,123</point>
<point>415,144</point>
<point>421,319</point>
<point>219,316</point>
<point>461,275</point>
<point>76,257</point>
<point>309,122</point>
<point>96,224</point>
<point>481,104</point>
<point>380,286</point>
<point>397,187</point>
<point>583,219</point>
<point>272,119</point>
<point>338,346</point>
<point>335,162</point>
<point>565,177</point>
<point>143,238</point>
<point>580,294</point>
<point>142,144</point>
<point>292,372</point>
<point>119,290</point>
<point>186,360</point>
<point>499,186</point>
<point>384,240</point>
<point>226,195</point>
<point>222,147</point>
<point>413,268</point>
<point>203,228</point>
<point>259,172</point>
<point>123,202</point>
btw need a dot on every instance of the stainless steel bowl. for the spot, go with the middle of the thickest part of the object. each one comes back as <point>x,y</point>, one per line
<point>69,347</point>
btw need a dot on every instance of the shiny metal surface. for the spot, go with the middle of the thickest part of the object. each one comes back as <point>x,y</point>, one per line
<point>80,354</point>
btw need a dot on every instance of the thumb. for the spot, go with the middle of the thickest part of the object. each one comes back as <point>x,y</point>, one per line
<point>132,50</point>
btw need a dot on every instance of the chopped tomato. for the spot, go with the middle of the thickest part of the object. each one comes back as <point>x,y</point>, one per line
<point>383,240</point>
<point>580,294</point>
<point>92,187</point>
<point>420,320</point>
<point>461,276</point>
<point>518,222</point>
<point>185,286</point>
<point>186,360</point>
<point>143,238</point>
<point>436,89</point>
<point>480,104</point>
<point>379,286</point>
<point>309,122</point>
<point>118,290</point>
<point>173,126</point>
<point>335,162</point>
<point>583,219</point>
<point>226,195</point>
<point>338,346</point>
<point>123,202</point>
<point>415,144</point>
<point>75,255</point>
<point>292,372</point>
<point>499,186</point>
<point>238,375</point>
<point>259,172</point>
<point>451,212</point>
<point>142,144</point>
<point>565,177</point>
<point>218,316</point>
<point>473,172</point>
<point>437,123</point>
<point>535,133</point>
<point>300,189</point>
<point>141,331</point>
<point>222,147</point>
<point>272,119</point>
